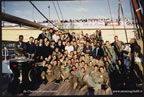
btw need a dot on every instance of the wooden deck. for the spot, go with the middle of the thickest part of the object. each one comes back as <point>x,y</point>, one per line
<point>63,88</point>
<point>51,89</point>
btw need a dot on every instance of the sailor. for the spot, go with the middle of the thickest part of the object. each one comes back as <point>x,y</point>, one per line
<point>30,48</point>
<point>43,34</point>
<point>87,49</point>
<point>110,52</point>
<point>98,51</point>
<point>95,74</point>
<point>47,49</point>
<point>40,51</point>
<point>73,79</point>
<point>98,36</point>
<point>106,81</point>
<point>90,82</point>
<point>55,36</point>
<point>60,46</point>
<point>56,69</point>
<point>49,34</point>
<point>117,46</point>
<point>20,47</point>
<point>65,71</point>
<point>57,53</point>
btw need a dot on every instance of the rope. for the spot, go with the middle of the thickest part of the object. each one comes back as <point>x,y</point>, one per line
<point>133,17</point>
<point>111,16</point>
<point>124,22</point>
<point>56,10</point>
<point>42,14</point>
<point>60,10</point>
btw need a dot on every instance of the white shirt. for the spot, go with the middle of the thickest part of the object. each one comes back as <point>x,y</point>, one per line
<point>55,37</point>
<point>69,49</point>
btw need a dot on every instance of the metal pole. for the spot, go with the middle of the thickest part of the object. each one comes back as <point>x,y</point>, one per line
<point>49,11</point>
<point>3,9</point>
<point>119,6</point>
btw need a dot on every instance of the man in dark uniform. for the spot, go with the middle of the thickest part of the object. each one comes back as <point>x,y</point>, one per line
<point>117,46</point>
<point>30,48</point>
<point>98,51</point>
<point>43,35</point>
<point>20,47</point>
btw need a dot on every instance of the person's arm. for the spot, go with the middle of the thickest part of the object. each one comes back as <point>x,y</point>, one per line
<point>16,49</point>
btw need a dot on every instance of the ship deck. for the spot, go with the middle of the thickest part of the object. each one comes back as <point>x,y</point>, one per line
<point>50,89</point>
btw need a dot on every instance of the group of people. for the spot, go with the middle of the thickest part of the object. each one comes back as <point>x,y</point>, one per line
<point>86,61</point>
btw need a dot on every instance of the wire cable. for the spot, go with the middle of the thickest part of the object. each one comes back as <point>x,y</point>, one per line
<point>56,10</point>
<point>111,16</point>
<point>124,22</point>
<point>42,14</point>
<point>60,10</point>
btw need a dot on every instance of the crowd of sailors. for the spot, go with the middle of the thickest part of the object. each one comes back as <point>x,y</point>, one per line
<point>86,61</point>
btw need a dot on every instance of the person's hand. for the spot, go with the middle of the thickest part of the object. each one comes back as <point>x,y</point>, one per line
<point>41,57</point>
<point>33,55</point>
<point>21,49</point>
<point>46,59</point>
<point>19,54</point>
<point>87,51</point>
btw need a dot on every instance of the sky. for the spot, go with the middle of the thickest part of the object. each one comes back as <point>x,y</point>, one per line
<point>83,9</point>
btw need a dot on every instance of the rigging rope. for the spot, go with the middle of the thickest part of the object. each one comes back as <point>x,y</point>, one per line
<point>56,10</point>
<point>111,16</point>
<point>42,14</point>
<point>60,10</point>
<point>124,22</point>
<point>134,20</point>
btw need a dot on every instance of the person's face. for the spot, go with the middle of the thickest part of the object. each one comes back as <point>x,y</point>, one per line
<point>56,32</point>
<point>36,41</point>
<point>68,43</point>
<point>96,68</point>
<point>91,57</point>
<point>50,30</point>
<point>87,43</point>
<point>56,49</point>
<point>97,61</point>
<point>31,40</point>
<point>73,68</point>
<point>101,70</point>
<point>20,39</point>
<point>66,52</point>
<point>54,57</point>
<point>45,39</point>
<point>44,32</point>
<point>116,38</point>
<point>119,62</point>
<point>107,43</point>
<point>44,62</point>
<point>59,42</point>
<point>104,58</point>
<point>76,64</point>
<point>82,70</point>
<point>71,53</point>
<point>85,66</point>
<point>53,43</point>
<point>69,61</point>
<point>49,66</point>
<point>41,40</point>
<point>73,34</point>
<point>98,44</point>
<point>82,63</point>
<point>90,64</point>
<point>71,43</point>
<point>73,73</point>
<point>55,62</point>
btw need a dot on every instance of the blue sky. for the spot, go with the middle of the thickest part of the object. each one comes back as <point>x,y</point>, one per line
<point>70,9</point>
